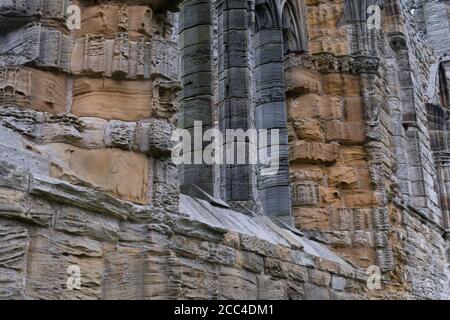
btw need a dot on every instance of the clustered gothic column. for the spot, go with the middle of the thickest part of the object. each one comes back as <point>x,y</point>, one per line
<point>366,44</point>
<point>437,118</point>
<point>270,109</point>
<point>413,119</point>
<point>234,91</point>
<point>235,101</point>
<point>197,80</point>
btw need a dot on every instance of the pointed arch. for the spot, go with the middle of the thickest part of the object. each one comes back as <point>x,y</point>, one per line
<point>266,15</point>
<point>293,26</point>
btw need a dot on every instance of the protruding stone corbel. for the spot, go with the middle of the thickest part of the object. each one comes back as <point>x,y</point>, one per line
<point>164,97</point>
<point>397,41</point>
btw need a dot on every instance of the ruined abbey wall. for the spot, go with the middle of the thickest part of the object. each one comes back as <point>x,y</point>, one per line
<point>86,123</point>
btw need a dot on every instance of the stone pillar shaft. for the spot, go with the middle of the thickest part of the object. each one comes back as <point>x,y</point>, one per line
<point>197,79</point>
<point>234,90</point>
<point>270,113</point>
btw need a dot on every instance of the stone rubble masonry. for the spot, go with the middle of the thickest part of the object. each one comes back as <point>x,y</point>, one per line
<point>86,178</point>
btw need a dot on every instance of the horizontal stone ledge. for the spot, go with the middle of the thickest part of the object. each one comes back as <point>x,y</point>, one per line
<point>44,187</point>
<point>146,59</point>
<point>157,5</point>
<point>34,43</point>
<point>81,197</point>
<point>199,230</point>
<point>422,216</point>
<point>49,9</point>
<point>151,136</point>
<point>330,63</point>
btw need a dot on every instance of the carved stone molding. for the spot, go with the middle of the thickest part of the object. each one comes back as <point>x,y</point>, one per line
<point>33,43</point>
<point>329,63</point>
<point>397,41</point>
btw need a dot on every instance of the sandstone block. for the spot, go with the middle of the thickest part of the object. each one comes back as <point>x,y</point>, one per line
<point>207,251</point>
<point>87,224</point>
<point>97,56</point>
<point>199,280</point>
<point>14,244</point>
<point>109,19</point>
<point>123,273</point>
<point>342,176</point>
<point>341,85</point>
<point>306,151</point>
<point>305,194</point>
<point>119,173</point>
<point>34,89</point>
<point>363,257</point>
<point>237,284</point>
<point>319,278</point>
<point>50,259</point>
<point>18,205</point>
<point>311,218</point>
<point>315,106</point>
<point>314,292</point>
<point>308,129</point>
<point>345,132</point>
<point>269,289</point>
<point>303,81</point>
<point>353,109</point>
<point>52,9</point>
<point>112,99</point>
<point>354,156</point>
<point>338,283</point>
<point>331,196</point>
<point>359,199</point>
<point>250,261</point>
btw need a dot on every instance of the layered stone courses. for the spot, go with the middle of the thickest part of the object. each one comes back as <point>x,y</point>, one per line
<point>86,121</point>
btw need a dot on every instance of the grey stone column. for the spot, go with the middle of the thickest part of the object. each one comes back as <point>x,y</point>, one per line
<point>442,163</point>
<point>234,90</point>
<point>196,27</point>
<point>270,109</point>
<point>422,171</point>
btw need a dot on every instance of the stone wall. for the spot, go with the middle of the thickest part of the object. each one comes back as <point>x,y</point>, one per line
<point>127,251</point>
<point>363,172</point>
<point>86,180</point>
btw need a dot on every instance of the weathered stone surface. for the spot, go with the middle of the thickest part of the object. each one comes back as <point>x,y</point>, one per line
<point>303,81</point>
<point>250,261</point>
<point>237,284</point>
<point>107,99</point>
<point>86,224</point>
<point>86,179</point>
<point>34,89</point>
<point>269,289</point>
<point>305,151</point>
<point>34,44</point>
<point>315,106</point>
<point>314,292</point>
<point>49,261</point>
<point>14,243</point>
<point>107,170</point>
<point>19,206</point>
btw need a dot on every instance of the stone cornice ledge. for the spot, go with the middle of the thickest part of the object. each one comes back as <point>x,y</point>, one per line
<point>81,197</point>
<point>422,216</point>
<point>330,63</point>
